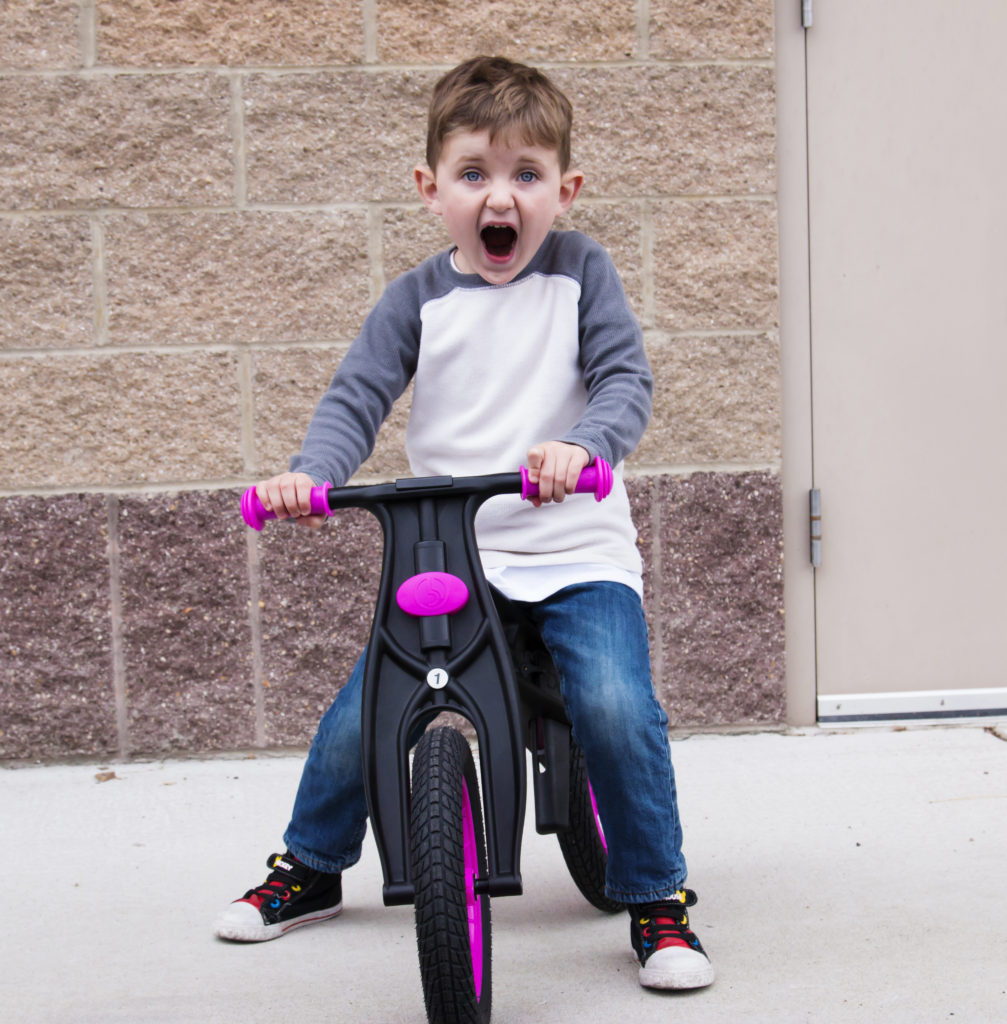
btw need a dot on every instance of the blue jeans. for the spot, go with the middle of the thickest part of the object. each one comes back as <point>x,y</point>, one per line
<point>597,635</point>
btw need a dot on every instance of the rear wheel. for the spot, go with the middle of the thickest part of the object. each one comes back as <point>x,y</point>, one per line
<point>448,854</point>
<point>583,843</point>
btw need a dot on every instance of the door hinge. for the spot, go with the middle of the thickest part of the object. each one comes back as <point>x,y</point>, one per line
<point>807,13</point>
<point>815,522</point>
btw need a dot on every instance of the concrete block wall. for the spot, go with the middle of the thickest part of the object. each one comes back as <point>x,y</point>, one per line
<point>199,202</point>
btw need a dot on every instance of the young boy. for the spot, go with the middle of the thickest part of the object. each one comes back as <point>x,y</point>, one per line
<point>522,348</point>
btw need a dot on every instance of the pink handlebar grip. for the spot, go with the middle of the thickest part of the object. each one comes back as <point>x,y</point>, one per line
<point>595,479</point>
<point>255,513</point>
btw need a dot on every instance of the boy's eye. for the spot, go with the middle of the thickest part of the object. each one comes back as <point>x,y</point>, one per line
<point>527,176</point>
<point>471,176</point>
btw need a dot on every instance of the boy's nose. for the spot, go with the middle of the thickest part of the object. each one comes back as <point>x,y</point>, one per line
<point>500,196</point>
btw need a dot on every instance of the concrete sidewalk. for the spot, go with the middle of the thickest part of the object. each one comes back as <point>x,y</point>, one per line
<point>853,876</point>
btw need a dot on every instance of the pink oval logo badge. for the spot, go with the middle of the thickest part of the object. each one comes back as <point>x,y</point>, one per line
<point>432,593</point>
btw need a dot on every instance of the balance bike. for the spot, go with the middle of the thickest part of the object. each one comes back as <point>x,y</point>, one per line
<point>443,640</point>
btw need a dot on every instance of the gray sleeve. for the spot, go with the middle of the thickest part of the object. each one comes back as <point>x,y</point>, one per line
<point>616,372</point>
<point>372,375</point>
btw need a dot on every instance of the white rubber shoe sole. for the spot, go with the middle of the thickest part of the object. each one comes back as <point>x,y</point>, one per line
<point>677,968</point>
<point>241,922</point>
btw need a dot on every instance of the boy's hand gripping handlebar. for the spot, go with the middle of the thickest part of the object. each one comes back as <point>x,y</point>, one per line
<point>595,479</point>
<point>255,513</point>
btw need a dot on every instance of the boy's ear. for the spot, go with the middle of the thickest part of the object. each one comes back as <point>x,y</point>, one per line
<point>569,187</point>
<point>426,182</point>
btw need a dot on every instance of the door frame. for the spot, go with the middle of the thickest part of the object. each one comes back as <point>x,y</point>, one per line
<point>795,343</point>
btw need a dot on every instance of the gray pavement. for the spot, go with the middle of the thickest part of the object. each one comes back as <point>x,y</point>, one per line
<point>853,876</point>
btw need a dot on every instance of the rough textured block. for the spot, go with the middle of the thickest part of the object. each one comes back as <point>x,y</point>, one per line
<point>186,636</point>
<point>352,136</point>
<point>317,595</point>
<point>137,140</point>
<point>408,236</point>
<point>286,386</point>
<point>715,265</point>
<point>720,598</point>
<point>148,32</point>
<point>236,277</point>
<point>47,283</point>
<point>715,400</point>
<point>657,130</point>
<point>712,30</point>
<point>114,419</point>
<point>618,226</point>
<point>39,35</point>
<point>56,691</point>
<point>435,32</point>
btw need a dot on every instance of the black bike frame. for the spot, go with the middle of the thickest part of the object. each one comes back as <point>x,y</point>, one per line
<point>418,667</point>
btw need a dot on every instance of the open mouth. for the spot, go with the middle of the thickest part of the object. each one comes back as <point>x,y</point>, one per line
<point>499,241</point>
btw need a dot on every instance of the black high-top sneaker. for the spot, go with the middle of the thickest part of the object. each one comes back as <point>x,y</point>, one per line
<point>292,895</point>
<point>669,954</point>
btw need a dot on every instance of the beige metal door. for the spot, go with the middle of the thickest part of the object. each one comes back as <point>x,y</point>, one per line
<point>907,201</point>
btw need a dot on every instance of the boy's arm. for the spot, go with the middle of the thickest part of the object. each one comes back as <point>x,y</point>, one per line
<point>616,372</point>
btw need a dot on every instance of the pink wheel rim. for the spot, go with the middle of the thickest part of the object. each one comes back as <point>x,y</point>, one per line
<point>473,903</point>
<point>597,818</point>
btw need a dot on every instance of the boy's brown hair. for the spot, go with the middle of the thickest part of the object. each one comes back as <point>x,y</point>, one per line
<point>497,95</point>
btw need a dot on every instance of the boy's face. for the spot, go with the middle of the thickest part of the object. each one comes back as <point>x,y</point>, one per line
<point>498,200</point>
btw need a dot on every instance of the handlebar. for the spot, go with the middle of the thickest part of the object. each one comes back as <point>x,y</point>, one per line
<point>595,479</point>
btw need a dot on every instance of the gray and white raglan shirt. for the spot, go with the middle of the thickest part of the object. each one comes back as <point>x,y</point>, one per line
<point>555,354</point>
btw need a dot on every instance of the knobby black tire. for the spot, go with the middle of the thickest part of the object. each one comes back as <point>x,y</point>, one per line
<point>442,762</point>
<point>582,845</point>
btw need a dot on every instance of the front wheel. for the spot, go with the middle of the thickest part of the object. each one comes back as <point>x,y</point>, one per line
<point>448,851</point>
<point>583,843</point>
